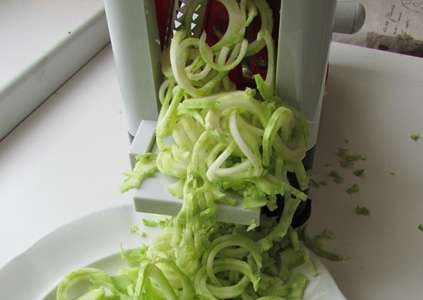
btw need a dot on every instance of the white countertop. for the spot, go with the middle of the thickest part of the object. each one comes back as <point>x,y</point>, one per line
<point>26,25</point>
<point>66,160</point>
<point>374,99</point>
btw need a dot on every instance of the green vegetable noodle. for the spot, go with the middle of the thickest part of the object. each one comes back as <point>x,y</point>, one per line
<point>222,145</point>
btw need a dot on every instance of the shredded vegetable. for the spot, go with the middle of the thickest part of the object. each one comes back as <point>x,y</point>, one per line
<point>222,146</point>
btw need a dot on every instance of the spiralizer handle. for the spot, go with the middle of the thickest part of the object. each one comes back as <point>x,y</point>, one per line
<point>136,50</point>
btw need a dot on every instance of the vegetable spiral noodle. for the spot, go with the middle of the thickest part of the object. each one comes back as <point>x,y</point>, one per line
<point>222,146</point>
<point>216,261</point>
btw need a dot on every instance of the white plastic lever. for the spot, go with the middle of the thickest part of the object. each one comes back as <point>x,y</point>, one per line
<point>136,51</point>
<point>349,16</point>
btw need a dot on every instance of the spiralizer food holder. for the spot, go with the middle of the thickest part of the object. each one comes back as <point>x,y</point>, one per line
<point>139,31</point>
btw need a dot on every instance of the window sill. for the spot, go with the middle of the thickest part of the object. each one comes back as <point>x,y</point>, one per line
<point>43,50</point>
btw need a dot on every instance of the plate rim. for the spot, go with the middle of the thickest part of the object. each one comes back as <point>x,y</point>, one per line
<point>41,286</point>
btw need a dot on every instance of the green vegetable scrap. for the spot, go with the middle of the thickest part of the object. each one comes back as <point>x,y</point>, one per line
<point>415,137</point>
<point>336,177</point>
<point>253,225</point>
<point>361,211</point>
<point>145,166</point>
<point>326,234</point>
<point>346,159</point>
<point>353,189</point>
<point>323,182</point>
<point>420,227</point>
<point>220,144</point>
<point>135,230</point>
<point>150,222</point>
<point>314,183</point>
<point>316,244</point>
<point>359,173</point>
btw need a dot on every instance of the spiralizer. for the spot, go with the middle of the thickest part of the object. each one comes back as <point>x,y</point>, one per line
<point>141,29</point>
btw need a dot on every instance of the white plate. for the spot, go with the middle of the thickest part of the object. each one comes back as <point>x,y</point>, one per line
<point>95,239</point>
